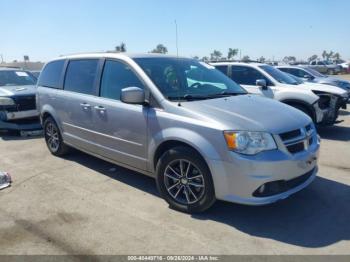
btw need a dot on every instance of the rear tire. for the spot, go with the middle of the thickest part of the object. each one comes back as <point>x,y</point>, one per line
<point>184,180</point>
<point>53,138</point>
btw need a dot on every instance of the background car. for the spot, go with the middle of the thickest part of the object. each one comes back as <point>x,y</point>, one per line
<point>330,97</point>
<point>17,100</point>
<point>325,67</point>
<point>266,80</point>
<point>310,75</point>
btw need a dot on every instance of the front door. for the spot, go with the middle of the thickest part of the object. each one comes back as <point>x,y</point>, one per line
<point>121,128</point>
<point>247,76</point>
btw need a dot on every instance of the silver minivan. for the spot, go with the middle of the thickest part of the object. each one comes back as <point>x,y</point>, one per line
<point>198,133</point>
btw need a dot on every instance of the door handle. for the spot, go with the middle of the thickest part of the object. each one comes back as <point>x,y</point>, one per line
<point>101,109</point>
<point>85,106</point>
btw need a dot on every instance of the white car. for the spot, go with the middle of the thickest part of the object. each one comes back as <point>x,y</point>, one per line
<point>320,102</point>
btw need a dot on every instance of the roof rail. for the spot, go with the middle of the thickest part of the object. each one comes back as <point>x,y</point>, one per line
<point>236,61</point>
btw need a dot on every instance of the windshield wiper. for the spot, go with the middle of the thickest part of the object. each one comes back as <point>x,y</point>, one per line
<point>187,97</point>
<point>225,93</point>
<point>191,97</point>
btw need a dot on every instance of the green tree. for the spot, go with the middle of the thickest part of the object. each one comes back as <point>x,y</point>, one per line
<point>289,59</point>
<point>262,59</point>
<point>205,58</point>
<point>246,58</point>
<point>216,55</point>
<point>336,56</point>
<point>330,55</point>
<point>121,48</point>
<point>160,49</point>
<point>324,54</point>
<point>232,52</point>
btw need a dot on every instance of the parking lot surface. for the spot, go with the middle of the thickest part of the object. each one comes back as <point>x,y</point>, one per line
<point>83,205</point>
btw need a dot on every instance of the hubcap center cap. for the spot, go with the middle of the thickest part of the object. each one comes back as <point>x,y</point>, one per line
<point>184,181</point>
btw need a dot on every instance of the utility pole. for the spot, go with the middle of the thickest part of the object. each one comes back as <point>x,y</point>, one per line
<point>2,58</point>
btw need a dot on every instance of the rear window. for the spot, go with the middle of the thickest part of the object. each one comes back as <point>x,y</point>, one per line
<point>51,75</point>
<point>81,76</point>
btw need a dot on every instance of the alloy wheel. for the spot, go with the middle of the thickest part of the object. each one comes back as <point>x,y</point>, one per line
<point>184,181</point>
<point>52,137</point>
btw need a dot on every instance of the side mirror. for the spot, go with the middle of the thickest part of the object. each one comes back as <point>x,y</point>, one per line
<point>132,95</point>
<point>261,83</point>
<point>308,77</point>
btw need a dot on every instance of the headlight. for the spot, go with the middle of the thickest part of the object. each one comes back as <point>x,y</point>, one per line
<point>249,143</point>
<point>6,101</point>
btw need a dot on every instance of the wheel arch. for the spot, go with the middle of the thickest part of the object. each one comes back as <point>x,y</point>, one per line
<point>304,104</point>
<point>170,138</point>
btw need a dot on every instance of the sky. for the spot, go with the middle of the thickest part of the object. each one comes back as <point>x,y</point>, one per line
<point>45,29</point>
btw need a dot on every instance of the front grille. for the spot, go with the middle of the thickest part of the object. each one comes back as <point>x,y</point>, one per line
<point>296,148</point>
<point>290,134</point>
<point>281,186</point>
<point>23,103</point>
<point>298,140</point>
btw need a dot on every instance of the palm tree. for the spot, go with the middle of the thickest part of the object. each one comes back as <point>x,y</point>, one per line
<point>262,59</point>
<point>121,48</point>
<point>160,49</point>
<point>336,56</point>
<point>216,55</point>
<point>232,53</point>
<point>324,54</point>
<point>312,58</point>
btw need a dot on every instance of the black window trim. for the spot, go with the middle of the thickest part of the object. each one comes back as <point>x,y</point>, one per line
<point>62,76</point>
<point>97,78</point>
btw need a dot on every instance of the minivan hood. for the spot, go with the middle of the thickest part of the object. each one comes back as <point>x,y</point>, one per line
<point>17,90</point>
<point>250,113</point>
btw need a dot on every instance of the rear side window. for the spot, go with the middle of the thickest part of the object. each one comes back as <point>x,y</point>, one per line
<point>116,76</point>
<point>222,69</point>
<point>51,75</point>
<point>81,76</point>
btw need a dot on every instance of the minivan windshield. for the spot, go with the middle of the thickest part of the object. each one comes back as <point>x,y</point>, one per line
<point>16,78</point>
<point>188,79</point>
<point>278,75</point>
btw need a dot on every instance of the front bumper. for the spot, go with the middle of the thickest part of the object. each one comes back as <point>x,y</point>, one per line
<point>237,180</point>
<point>332,112</point>
<point>21,120</point>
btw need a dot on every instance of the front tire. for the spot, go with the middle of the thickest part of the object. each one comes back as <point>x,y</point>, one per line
<point>184,180</point>
<point>53,138</point>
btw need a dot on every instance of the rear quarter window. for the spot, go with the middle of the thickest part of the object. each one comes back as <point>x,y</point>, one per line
<point>51,74</point>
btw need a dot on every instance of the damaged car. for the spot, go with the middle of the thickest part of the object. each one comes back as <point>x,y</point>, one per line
<point>332,99</point>
<point>17,100</point>
<point>320,102</point>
